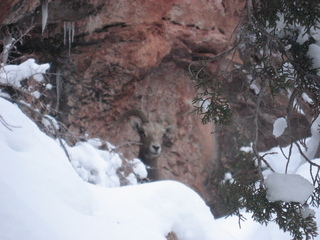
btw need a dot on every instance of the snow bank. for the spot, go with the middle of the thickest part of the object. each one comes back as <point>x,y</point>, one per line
<point>37,185</point>
<point>42,197</point>
<point>162,207</point>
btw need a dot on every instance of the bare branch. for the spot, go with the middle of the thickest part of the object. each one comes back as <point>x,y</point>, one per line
<point>23,105</point>
<point>7,125</point>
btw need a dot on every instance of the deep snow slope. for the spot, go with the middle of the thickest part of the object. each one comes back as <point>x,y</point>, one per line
<point>42,197</point>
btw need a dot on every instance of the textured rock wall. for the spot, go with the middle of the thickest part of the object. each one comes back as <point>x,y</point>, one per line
<point>130,54</point>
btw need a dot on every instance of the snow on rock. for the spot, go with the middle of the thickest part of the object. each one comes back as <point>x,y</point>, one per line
<point>14,74</point>
<point>279,126</point>
<point>288,188</point>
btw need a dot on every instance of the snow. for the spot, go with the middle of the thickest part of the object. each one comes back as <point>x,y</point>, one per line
<point>49,86</point>
<point>314,51</point>
<point>139,168</point>
<point>36,94</point>
<point>314,141</point>
<point>306,98</point>
<point>305,170</point>
<point>306,212</point>
<point>279,126</point>
<point>282,30</point>
<point>288,188</point>
<point>228,177</point>
<point>14,74</point>
<point>44,198</point>
<point>95,166</point>
<point>50,124</point>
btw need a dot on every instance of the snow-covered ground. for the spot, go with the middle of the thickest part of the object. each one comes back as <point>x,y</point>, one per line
<point>43,197</point>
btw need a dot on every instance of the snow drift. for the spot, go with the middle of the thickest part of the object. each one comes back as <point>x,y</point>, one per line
<point>42,197</point>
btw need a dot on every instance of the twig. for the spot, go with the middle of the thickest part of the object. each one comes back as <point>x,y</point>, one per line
<point>7,125</point>
<point>256,130</point>
<point>288,158</point>
<point>21,105</point>
<point>266,162</point>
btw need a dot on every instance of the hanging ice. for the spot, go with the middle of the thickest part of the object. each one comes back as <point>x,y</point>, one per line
<point>68,33</point>
<point>7,45</point>
<point>44,13</point>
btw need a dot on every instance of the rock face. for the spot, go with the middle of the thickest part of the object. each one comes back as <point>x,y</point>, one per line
<point>111,56</point>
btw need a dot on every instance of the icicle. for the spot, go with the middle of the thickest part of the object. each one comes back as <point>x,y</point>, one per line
<point>44,13</point>
<point>68,29</point>
<point>72,31</point>
<point>69,35</point>
<point>7,45</point>
<point>64,33</point>
<point>90,25</point>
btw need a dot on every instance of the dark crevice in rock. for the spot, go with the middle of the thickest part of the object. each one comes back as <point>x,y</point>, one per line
<point>105,28</point>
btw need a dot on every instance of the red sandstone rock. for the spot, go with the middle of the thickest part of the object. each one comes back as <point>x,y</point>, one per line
<point>133,54</point>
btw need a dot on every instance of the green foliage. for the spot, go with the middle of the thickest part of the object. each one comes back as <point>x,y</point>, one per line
<point>296,16</point>
<point>287,215</point>
<point>245,192</point>
<point>301,58</point>
<point>275,62</point>
<point>209,102</point>
<point>304,13</point>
